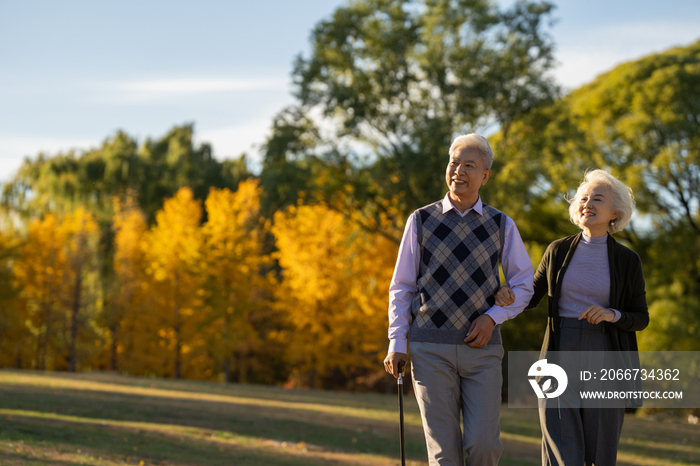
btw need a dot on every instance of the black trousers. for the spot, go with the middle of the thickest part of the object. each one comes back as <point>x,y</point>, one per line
<point>580,436</point>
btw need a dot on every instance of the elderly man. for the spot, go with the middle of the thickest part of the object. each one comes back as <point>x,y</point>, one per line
<point>445,279</point>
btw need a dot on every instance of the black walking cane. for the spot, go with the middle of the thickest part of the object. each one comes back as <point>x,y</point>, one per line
<point>399,382</point>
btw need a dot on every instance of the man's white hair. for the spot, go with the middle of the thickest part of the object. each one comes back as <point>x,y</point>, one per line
<point>622,199</point>
<point>481,142</point>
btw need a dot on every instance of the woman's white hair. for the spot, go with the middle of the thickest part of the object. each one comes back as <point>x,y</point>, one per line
<point>481,142</point>
<point>622,199</point>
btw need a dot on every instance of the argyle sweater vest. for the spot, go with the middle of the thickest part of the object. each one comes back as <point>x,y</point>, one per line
<point>458,273</point>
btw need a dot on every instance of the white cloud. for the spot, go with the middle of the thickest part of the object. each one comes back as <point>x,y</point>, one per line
<point>159,89</point>
<point>582,57</point>
<point>9,166</point>
<point>232,141</point>
<point>201,86</point>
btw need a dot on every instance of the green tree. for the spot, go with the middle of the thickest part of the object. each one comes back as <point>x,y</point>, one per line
<point>640,121</point>
<point>389,83</point>
<point>153,171</point>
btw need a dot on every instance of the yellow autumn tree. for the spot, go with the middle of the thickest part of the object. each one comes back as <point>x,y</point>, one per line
<point>173,254</point>
<point>335,278</point>
<point>15,338</point>
<point>55,271</point>
<point>371,266</point>
<point>39,270</point>
<point>236,287</point>
<point>80,235</point>
<point>132,341</point>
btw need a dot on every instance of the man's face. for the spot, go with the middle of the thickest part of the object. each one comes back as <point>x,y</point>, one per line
<point>466,172</point>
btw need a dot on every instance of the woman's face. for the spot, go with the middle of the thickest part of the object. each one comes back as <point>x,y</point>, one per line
<point>595,209</point>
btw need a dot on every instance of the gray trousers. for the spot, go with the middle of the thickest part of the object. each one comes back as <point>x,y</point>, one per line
<point>580,436</point>
<point>450,380</point>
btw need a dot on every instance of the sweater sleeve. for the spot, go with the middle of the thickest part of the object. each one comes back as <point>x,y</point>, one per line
<point>540,285</point>
<point>635,316</point>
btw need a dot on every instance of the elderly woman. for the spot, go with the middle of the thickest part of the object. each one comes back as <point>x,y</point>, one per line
<point>597,302</point>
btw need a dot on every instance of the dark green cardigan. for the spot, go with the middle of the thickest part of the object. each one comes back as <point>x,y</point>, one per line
<point>627,295</point>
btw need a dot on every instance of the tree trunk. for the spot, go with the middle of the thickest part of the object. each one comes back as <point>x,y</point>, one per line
<point>390,382</point>
<point>227,369</point>
<point>243,366</point>
<point>178,352</point>
<point>228,350</point>
<point>74,315</point>
<point>312,378</point>
<point>45,342</point>
<point>113,355</point>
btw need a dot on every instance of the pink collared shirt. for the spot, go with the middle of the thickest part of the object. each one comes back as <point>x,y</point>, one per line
<point>517,270</point>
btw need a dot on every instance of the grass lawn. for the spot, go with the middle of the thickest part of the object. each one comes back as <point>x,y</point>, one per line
<point>58,419</point>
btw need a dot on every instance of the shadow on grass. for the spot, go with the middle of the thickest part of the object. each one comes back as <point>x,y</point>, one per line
<point>127,444</point>
<point>665,442</point>
<point>328,431</point>
<point>190,422</point>
<point>521,422</point>
<point>27,460</point>
<point>643,441</point>
<point>197,387</point>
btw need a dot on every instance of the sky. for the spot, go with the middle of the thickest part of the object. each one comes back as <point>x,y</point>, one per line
<point>72,72</point>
